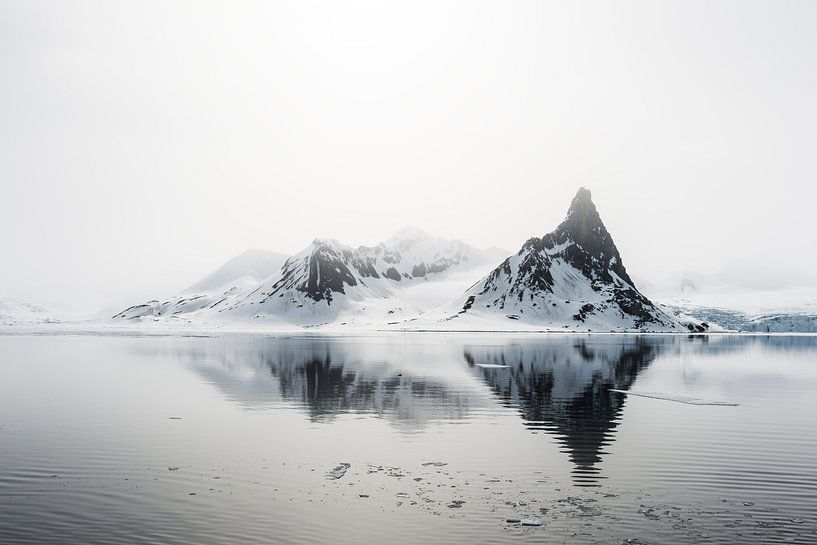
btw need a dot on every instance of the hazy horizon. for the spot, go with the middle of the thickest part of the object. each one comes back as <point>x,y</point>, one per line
<point>145,144</point>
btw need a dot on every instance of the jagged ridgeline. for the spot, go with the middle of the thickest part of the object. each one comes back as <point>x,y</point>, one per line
<point>328,267</point>
<point>329,281</point>
<point>571,278</point>
<point>573,275</point>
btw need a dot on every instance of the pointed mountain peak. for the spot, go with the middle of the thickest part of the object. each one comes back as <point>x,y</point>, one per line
<point>582,205</point>
<point>574,275</point>
<point>583,226</point>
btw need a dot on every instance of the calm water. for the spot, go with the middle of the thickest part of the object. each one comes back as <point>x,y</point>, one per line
<point>230,440</point>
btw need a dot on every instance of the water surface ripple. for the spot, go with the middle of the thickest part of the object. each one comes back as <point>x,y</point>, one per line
<point>448,437</point>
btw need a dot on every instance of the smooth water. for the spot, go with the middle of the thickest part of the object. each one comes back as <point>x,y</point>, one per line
<point>233,439</point>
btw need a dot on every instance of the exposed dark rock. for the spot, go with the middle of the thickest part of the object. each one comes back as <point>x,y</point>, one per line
<point>582,242</point>
<point>586,309</point>
<point>392,273</point>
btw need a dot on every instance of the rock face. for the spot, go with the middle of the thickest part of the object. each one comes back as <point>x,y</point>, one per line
<point>571,276</point>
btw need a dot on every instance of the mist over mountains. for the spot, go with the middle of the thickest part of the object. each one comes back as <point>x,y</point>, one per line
<point>572,278</point>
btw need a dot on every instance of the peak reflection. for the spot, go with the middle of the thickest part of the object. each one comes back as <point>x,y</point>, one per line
<point>563,388</point>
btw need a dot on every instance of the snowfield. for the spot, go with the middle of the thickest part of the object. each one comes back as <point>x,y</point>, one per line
<point>16,313</point>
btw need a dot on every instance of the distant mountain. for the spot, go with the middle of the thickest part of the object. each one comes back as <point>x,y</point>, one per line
<point>572,277</point>
<point>248,268</point>
<point>239,274</point>
<point>742,300</point>
<point>13,312</point>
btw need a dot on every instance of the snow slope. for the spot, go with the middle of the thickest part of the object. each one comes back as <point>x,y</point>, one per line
<point>248,268</point>
<point>239,274</point>
<point>13,312</point>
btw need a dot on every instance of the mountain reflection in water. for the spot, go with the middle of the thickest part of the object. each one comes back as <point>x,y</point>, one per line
<point>559,385</point>
<point>564,389</point>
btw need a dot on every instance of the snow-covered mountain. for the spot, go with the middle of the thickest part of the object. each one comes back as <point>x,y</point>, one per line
<point>571,277</point>
<point>331,282</point>
<point>239,274</point>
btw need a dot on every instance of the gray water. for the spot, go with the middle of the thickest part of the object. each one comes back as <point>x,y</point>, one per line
<point>233,439</point>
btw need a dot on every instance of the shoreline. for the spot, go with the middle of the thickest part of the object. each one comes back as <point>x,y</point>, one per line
<point>202,331</point>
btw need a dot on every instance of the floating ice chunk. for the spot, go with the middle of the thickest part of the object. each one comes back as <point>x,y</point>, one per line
<point>491,366</point>
<point>525,522</point>
<point>338,472</point>
<point>677,399</point>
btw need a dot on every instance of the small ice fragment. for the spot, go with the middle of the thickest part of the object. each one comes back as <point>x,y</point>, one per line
<point>174,417</point>
<point>677,399</point>
<point>173,468</point>
<point>438,464</point>
<point>491,366</point>
<point>338,472</point>
<point>531,522</point>
<point>513,521</point>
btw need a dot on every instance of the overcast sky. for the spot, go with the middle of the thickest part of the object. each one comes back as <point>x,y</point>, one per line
<point>144,143</point>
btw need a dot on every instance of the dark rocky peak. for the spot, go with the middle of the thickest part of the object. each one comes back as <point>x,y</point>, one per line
<point>589,246</point>
<point>583,226</point>
<point>526,283</point>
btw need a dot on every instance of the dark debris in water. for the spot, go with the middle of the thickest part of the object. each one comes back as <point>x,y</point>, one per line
<point>528,505</point>
<point>338,472</point>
